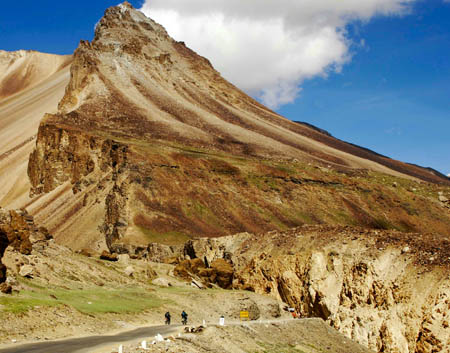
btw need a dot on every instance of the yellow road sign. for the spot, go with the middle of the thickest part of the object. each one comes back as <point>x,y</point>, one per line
<point>244,315</point>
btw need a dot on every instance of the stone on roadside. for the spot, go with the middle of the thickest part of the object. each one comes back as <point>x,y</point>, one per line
<point>26,271</point>
<point>5,288</point>
<point>161,282</point>
<point>129,271</point>
<point>108,256</point>
<point>442,198</point>
<point>124,259</point>
<point>197,284</point>
<point>86,252</point>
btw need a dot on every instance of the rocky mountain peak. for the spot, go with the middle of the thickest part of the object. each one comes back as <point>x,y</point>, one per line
<point>128,51</point>
<point>151,140</point>
<point>126,18</point>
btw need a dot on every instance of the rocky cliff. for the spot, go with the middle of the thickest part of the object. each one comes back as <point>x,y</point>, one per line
<point>150,143</point>
<point>17,230</point>
<point>389,291</point>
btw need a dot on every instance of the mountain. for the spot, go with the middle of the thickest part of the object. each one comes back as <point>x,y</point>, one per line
<point>31,84</point>
<point>150,143</point>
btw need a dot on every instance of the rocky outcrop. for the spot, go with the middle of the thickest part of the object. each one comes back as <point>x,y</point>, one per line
<point>389,291</point>
<point>220,272</point>
<point>17,230</point>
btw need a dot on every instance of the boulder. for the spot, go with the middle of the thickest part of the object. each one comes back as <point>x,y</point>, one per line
<point>129,271</point>
<point>105,255</point>
<point>5,288</point>
<point>442,198</point>
<point>124,259</point>
<point>26,271</point>
<point>249,305</point>
<point>197,284</point>
<point>161,282</point>
<point>86,252</point>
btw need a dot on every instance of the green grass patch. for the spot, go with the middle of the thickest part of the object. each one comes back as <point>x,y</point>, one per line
<point>25,301</point>
<point>88,301</point>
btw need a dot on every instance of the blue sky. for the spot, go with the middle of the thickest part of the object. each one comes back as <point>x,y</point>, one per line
<point>393,96</point>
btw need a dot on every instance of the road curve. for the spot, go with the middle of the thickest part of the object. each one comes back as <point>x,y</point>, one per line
<point>73,345</point>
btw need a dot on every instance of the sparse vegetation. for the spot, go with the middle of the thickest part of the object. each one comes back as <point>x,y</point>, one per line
<point>88,301</point>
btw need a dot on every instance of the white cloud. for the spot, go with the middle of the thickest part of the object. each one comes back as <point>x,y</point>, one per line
<point>269,47</point>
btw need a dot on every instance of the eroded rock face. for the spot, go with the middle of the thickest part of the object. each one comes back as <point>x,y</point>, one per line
<point>361,282</point>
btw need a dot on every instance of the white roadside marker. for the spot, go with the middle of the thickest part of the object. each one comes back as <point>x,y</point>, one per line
<point>120,349</point>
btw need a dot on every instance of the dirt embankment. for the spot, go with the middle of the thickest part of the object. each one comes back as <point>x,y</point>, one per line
<point>292,336</point>
<point>389,291</point>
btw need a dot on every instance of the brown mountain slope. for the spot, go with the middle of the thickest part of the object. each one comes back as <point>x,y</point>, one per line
<point>151,143</point>
<point>31,84</point>
<point>23,69</point>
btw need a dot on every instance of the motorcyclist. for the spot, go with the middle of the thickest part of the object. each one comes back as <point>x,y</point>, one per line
<point>167,316</point>
<point>184,317</point>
